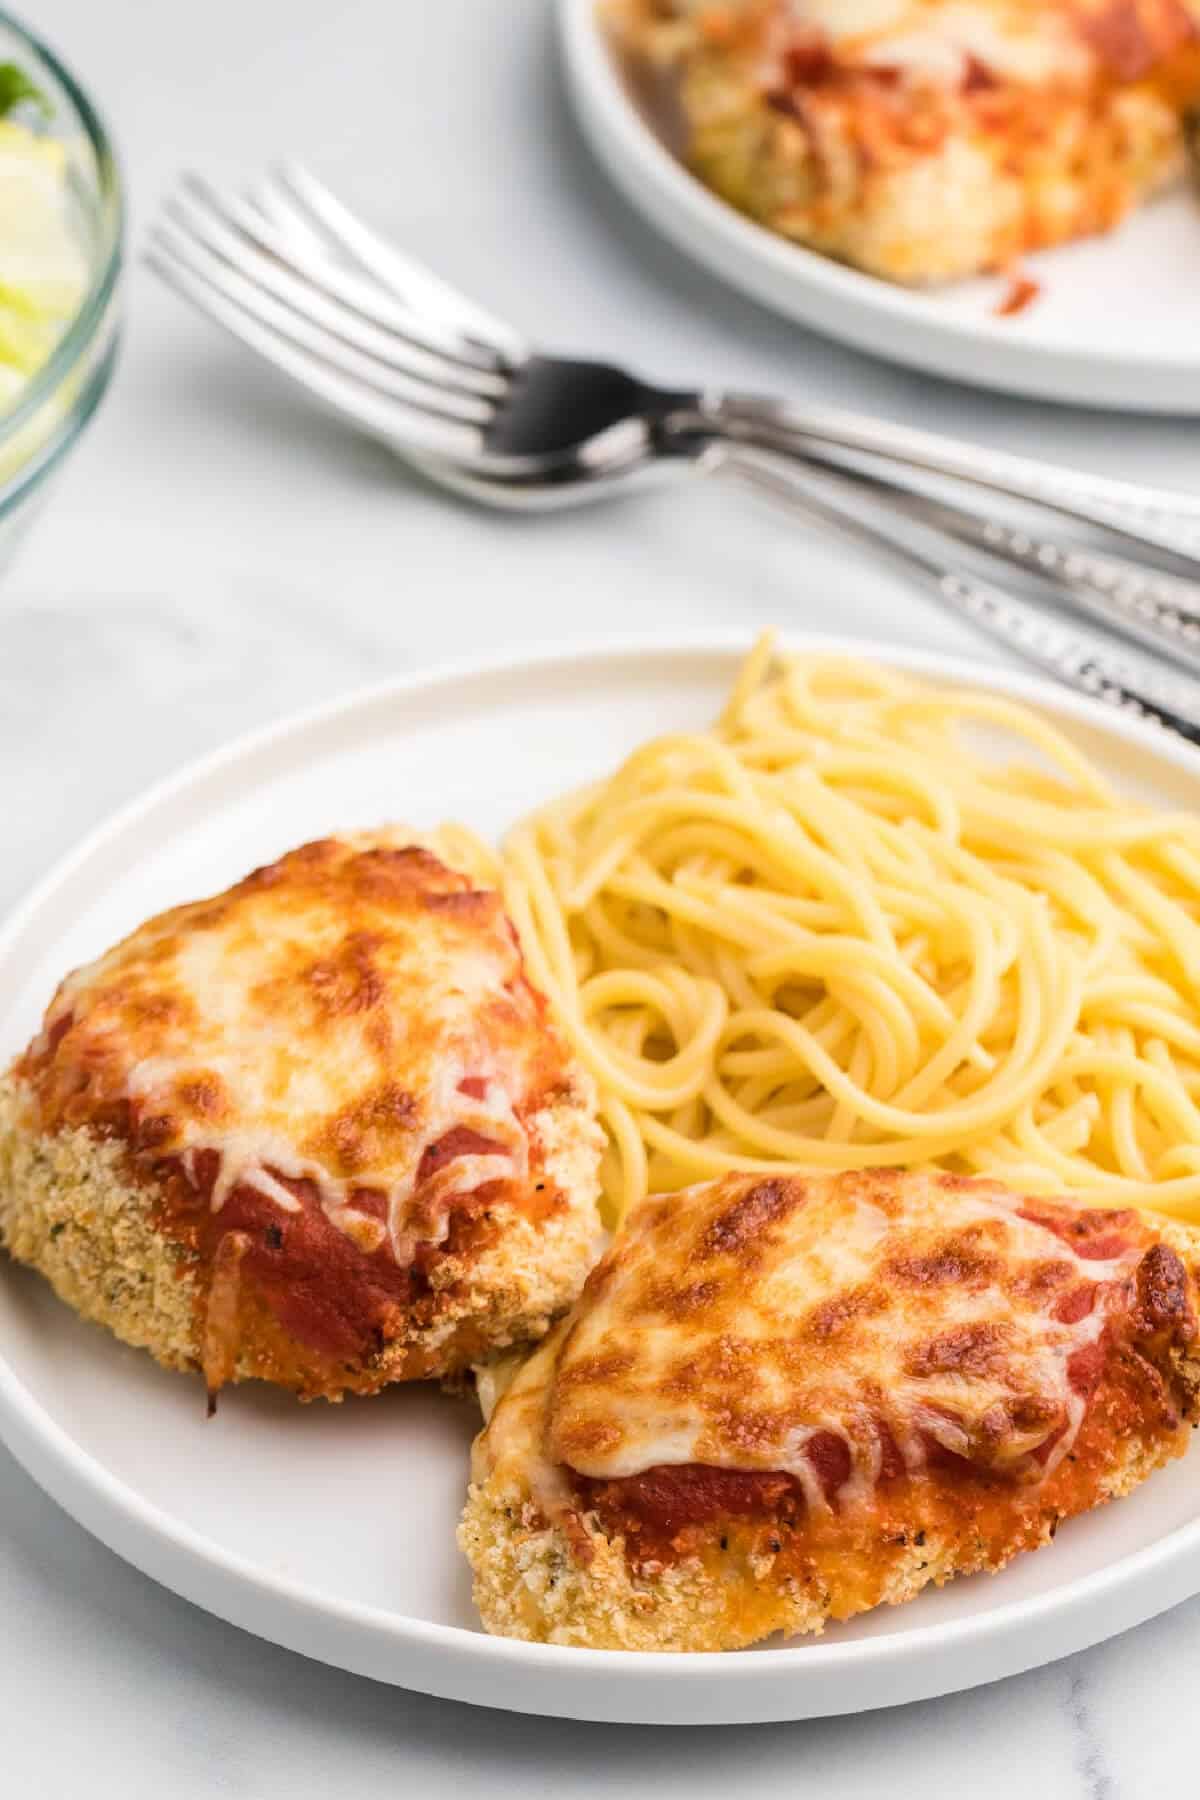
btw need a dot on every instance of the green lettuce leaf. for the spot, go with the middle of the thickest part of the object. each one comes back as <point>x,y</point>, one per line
<point>16,88</point>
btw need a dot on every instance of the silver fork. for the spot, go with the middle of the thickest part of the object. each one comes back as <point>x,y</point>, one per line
<point>388,345</point>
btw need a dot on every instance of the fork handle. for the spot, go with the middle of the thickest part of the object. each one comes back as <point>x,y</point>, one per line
<point>1154,518</point>
<point>1126,684</point>
<point>1156,610</point>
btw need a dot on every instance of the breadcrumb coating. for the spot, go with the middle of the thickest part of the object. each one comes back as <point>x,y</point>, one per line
<point>319,1129</point>
<point>699,1553</point>
<point>71,1208</point>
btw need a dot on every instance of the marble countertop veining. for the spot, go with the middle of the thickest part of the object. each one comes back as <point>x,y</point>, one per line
<point>218,554</point>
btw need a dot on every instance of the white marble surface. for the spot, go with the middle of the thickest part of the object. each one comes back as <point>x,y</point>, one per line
<point>216,555</point>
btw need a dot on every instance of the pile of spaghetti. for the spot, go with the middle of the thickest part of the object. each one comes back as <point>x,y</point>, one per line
<point>836,930</point>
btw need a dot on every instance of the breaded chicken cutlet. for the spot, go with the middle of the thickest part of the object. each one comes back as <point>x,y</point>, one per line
<point>319,1129</point>
<point>784,1401</point>
<point>923,140</point>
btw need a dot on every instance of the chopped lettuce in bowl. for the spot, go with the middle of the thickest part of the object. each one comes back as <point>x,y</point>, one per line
<point>60,255</point>
<point>43,270</point>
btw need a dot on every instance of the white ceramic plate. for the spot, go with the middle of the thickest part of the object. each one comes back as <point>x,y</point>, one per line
<point>1114,326</point>
<point>331,1529</point>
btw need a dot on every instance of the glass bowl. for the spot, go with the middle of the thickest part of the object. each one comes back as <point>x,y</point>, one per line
<point>39,429</point>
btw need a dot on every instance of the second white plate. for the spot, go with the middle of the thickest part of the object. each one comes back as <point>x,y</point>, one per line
<point>1115,324</point>
<point>330,1529</point>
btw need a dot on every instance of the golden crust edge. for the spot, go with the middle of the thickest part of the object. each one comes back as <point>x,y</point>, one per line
<point>69,1210</point>
<point>529,1582</point>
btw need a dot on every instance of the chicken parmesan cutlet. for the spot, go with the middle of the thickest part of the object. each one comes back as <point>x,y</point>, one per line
<point>924,140</point>
<point>785,1401</point>
<point>319,1129</point>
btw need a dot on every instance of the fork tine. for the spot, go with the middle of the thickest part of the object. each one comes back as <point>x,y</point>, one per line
<point>203,215</point>
<point>419,432</point>
<point>283,222</point>
<point>294,188</point>
<point>286,238</point>
<point>311,335</point>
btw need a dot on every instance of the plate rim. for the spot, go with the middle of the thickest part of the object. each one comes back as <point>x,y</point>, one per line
<point>153,1540</point>
<point>831,297</point>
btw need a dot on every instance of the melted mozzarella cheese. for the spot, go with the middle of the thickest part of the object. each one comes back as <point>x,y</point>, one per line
<point>841,19</point>
<point>731,1325</point>
<point>937,40</point>
<point>330,1019</point>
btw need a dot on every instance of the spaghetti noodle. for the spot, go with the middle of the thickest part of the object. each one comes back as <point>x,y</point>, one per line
<point>832,933</point>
